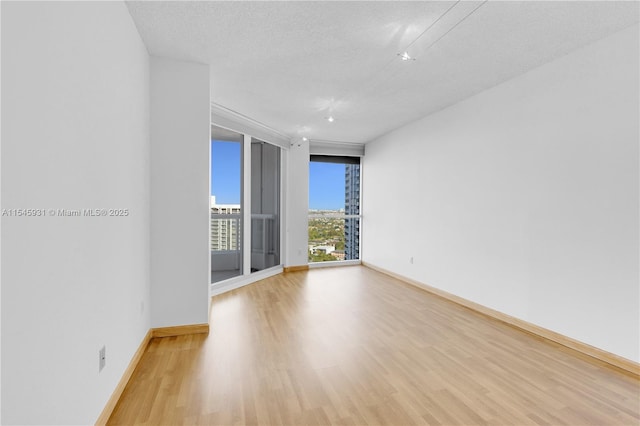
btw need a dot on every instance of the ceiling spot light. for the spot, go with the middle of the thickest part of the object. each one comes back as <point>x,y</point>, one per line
<point>406,57</point>
<point>330,119</point>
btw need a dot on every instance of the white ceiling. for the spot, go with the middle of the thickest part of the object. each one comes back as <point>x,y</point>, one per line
<point>288,64</point>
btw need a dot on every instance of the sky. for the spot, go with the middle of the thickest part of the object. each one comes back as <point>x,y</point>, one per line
<point>326,180</point>
<point>225,172</point>
<point>326,186</point>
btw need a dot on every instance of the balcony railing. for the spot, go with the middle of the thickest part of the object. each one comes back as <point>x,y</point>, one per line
<point>226,242</point>
<point>265,238</point>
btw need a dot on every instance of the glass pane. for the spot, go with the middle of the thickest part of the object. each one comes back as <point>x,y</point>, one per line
<point>334,192</point>
<point>225,205</point>
<point>265,205</point>
<point>326,188</point>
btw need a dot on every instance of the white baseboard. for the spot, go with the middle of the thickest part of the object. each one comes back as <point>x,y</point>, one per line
<point>624,364</point>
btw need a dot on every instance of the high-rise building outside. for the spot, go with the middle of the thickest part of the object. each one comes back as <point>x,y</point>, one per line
<point>352,207</point>
<point>225,226</point>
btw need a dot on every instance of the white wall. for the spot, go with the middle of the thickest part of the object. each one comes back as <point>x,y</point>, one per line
<point>297,201</point>
<point>75,135</point>
<point>523,198</point>
<point>180,143</point>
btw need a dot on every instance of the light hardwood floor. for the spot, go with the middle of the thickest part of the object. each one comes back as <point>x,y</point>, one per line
<point>352,346</point>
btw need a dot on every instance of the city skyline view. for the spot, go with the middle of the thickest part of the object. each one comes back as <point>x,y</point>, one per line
<point>326,180</point>
<point>333,187</point>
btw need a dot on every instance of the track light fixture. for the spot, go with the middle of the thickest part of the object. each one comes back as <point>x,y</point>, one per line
<point>406,57</point>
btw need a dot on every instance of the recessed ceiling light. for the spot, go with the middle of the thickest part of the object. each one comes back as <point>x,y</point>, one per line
<point>406,57</point>
<point>330,119</point>
<point>304,139</point>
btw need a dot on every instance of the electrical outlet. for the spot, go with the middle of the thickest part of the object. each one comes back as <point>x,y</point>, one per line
<point>411,260</point>
<point>102,356</point>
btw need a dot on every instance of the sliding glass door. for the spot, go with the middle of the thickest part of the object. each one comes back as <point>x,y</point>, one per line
<point>244,170</point>
<point>265,205</point>
<point>226,204</point>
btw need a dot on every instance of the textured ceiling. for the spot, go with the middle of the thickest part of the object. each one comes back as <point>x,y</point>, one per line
<point>290,64</point>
